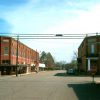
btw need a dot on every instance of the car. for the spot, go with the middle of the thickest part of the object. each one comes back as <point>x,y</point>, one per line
<point>71,71</point>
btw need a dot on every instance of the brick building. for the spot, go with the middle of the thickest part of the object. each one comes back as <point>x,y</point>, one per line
<point>26,59</point>
<point>89,54</point>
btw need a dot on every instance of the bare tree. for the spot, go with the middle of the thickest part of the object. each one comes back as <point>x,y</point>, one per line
<point>75,55</point>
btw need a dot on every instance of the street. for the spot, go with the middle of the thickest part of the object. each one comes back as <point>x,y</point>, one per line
<point>48,85</point>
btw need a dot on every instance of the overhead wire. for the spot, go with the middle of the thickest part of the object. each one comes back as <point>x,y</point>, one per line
<point>47,36</point>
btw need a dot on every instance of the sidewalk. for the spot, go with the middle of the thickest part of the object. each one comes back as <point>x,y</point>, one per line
<point>97,80</point>
<point>2,76</point>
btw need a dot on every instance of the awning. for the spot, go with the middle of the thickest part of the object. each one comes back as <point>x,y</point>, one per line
<point>42,65</point>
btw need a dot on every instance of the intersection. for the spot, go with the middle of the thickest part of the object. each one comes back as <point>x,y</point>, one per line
<point>48,85</point>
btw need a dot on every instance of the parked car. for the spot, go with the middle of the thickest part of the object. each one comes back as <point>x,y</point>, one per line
<point>70,71</point>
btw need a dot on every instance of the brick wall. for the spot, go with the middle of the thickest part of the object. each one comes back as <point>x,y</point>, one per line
<point>5,42</point>
<point>84,51</point>
<point>26,55</point>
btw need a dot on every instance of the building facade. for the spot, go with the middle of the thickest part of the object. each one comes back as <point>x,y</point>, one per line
<point>16,57</point>
<point>89,55</point>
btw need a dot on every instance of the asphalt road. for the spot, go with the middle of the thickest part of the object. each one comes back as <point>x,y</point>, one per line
<point>51,85</point>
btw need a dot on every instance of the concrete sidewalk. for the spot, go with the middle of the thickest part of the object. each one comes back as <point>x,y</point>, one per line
<point>97,80</point>
<point>2,76</point>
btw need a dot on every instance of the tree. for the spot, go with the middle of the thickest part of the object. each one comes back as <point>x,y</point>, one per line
<point>73,63</point>
<point>49,60</point>
<point>60,65</point>
<point>75,55</point>
<point>43,57</point>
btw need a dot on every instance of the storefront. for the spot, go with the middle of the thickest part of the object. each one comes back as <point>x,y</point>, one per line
<point>92,64</point>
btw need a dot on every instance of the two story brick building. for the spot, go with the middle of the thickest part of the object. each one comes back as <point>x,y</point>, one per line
<point>14,53</point>
<point>89,54</point>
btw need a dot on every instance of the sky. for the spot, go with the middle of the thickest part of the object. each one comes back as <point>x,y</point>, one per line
<point>51,17</point>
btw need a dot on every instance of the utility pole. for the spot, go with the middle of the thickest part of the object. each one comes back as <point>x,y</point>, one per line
<point>86,52</point>
<point>17,56</point>
<point>37,61</point>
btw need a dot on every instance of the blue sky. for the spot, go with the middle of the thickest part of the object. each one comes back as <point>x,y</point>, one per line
<point>51,17</point>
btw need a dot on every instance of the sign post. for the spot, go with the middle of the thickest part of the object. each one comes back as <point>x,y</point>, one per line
<point>93,71</point>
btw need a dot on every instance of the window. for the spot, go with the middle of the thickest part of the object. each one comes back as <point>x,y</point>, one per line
<point>91,40</point>
<point>92,48</point>
<point>5,61</point>
<point>5,40</point>
<point>12,51</point>
<point>5,50</point>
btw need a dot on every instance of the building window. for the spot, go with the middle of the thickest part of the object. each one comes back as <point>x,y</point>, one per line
<point>5,40</point>
<point>5,50</point>
<point>20,54</point>
<point>5,61</point>
<point>12,51</point>
<point>92,48</point>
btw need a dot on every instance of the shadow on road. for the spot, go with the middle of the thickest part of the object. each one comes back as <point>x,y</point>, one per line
<point>87,91</point>
<point>69,75</point>
<point>61,74</point>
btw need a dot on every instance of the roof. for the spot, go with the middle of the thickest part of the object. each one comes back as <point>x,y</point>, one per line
<point>88,37</point>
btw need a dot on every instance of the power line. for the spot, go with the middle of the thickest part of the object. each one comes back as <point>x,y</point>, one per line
<point>47,36</point>
<point>50,34</point>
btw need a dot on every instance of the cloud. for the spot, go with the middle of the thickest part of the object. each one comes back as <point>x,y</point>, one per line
<point>27,19</point>
<point>85,22</point>
<point>64,4</point>
<point>49,17</point>
<point>56,15</point>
